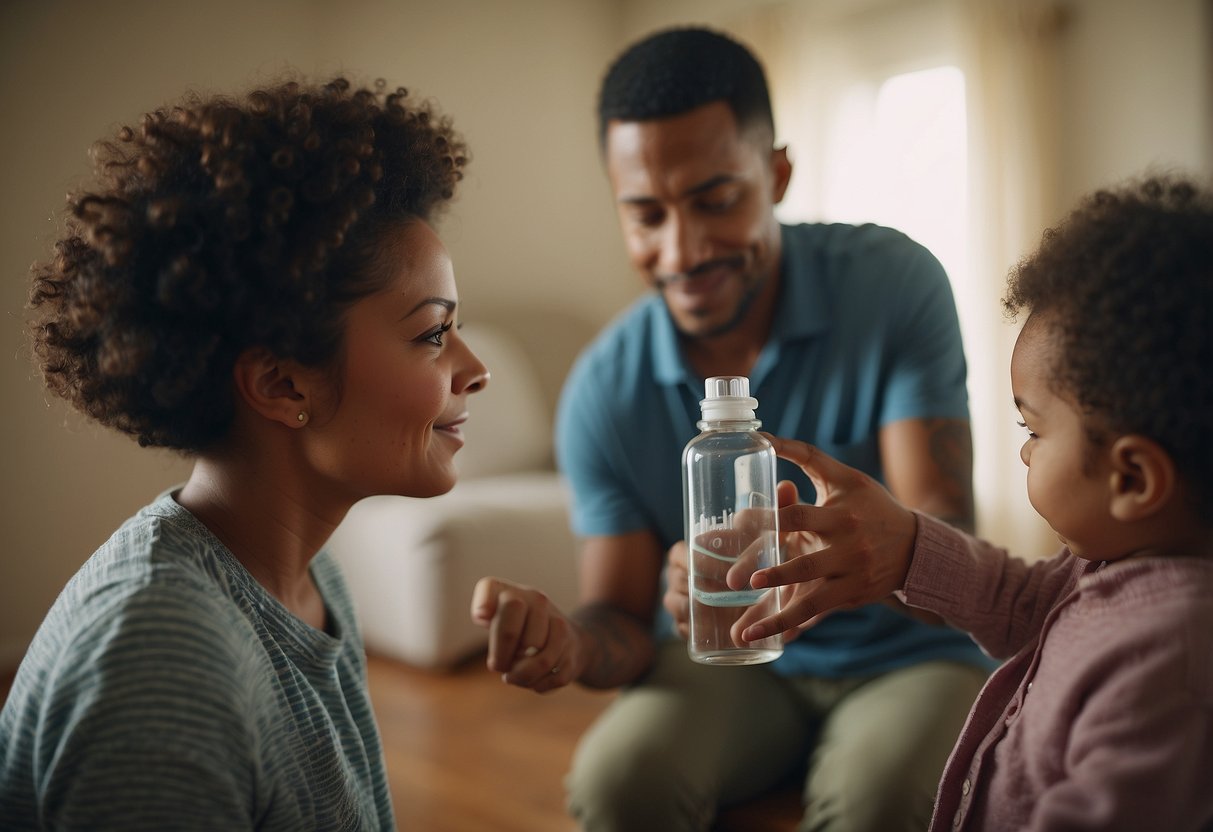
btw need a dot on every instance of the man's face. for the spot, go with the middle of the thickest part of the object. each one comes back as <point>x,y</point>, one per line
<point>696,205</point>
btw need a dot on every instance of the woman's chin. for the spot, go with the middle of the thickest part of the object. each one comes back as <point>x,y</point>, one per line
<point>440,482</point>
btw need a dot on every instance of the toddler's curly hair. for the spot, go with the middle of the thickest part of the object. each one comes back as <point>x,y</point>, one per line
<point>1126,286</point>
<point>219,224</point>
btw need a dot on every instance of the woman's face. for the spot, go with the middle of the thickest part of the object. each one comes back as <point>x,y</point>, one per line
<point>405,381</point>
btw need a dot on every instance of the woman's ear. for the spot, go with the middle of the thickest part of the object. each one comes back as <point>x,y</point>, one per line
<point>272,387</point>
<point>1142,477</point>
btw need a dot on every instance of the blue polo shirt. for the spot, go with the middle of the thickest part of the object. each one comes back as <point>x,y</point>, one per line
<point>865,333</point>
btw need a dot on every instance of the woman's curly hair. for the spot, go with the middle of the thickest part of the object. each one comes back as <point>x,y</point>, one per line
<point>1126,286</point>
<point>220,224</point>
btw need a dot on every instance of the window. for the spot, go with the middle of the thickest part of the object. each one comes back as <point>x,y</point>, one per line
<point>895,154</point>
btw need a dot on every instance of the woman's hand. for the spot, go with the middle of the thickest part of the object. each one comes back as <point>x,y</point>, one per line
<point>532,644</point>
<point>851,548</point>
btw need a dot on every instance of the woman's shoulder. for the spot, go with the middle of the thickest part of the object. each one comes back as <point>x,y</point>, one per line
<point>160,562</point>
<point>157,587</point>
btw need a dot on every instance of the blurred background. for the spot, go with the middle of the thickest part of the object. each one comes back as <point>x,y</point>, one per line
<point>969,124</point>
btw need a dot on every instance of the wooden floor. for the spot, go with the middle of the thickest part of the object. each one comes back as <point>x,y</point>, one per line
<point>467,753</point>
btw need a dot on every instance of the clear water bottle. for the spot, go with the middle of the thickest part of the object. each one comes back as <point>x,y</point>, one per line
<point>731,524</point>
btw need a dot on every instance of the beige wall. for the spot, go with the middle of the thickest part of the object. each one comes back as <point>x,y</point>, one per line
<point>532,235</point>
<point>1137,90</point>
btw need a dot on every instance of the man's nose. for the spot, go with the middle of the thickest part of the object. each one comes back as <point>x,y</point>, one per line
<point>682,246</point>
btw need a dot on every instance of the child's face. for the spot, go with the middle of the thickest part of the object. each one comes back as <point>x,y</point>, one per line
<point>1068,481</point>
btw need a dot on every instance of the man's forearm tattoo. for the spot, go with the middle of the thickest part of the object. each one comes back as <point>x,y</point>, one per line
<point>951,448</point>
<point>621,645</point>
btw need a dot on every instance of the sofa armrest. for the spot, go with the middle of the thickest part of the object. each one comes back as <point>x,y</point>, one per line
<point>411,563</point>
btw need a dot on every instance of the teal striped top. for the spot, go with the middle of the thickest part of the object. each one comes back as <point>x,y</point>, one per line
<point>166,689</point>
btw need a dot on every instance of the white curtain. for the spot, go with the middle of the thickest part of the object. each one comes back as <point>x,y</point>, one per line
<point>1009,55</point>
<point>813,51</point>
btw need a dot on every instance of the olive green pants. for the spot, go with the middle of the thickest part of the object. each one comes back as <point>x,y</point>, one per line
<point>690,738</point>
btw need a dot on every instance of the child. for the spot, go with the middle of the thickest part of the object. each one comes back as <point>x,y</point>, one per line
<point>1102,715</point>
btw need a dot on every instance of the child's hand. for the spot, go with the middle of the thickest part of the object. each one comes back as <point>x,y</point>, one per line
<point>852,548</point>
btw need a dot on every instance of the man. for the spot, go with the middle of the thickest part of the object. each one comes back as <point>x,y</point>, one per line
<point>850,340</point>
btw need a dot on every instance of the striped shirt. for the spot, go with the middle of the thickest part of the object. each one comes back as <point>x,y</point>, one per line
<point>166,689</point>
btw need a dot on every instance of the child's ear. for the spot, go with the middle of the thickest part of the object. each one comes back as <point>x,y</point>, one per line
<point>1142,478</point>
<point>272,387</point>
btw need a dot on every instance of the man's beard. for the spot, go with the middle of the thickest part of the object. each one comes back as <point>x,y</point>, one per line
<point>754,281</point>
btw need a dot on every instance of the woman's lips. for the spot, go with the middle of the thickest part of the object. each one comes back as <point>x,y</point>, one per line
<point>451,427</point>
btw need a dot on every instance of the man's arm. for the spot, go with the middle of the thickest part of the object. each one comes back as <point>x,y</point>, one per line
<point>928,465</point>
<point>620,578</point>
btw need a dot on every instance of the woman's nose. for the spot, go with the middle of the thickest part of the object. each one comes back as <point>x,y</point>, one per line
<point>475,376</point>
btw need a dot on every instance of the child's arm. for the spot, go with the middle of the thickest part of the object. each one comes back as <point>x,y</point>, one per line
<point>1000,600</point>
<point>855,547</point>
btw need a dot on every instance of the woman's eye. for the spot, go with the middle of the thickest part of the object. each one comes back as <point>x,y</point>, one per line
<point>436,336</point>
<point>1025,427</point>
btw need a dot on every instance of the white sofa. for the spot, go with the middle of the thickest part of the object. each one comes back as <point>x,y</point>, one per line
<point>412,563</point>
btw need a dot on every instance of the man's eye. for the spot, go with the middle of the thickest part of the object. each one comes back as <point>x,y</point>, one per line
<point>648,219</point>
<point>719,203</point>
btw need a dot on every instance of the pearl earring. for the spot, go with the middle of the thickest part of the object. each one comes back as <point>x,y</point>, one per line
<point>301,417</point>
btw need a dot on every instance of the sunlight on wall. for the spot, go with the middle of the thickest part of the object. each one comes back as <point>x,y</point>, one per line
<point>891,147</point>
<point>895,154</point>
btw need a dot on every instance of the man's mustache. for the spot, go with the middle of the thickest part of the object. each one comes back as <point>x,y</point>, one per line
<point>736,261</point>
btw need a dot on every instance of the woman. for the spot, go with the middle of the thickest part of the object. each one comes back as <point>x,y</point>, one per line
<point>254,283</point>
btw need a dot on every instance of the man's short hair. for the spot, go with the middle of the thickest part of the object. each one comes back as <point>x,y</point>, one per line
<point>677,70</point>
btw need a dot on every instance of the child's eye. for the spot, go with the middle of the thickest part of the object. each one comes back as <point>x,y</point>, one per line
<point>1025,427</point>
<point>435,337</point>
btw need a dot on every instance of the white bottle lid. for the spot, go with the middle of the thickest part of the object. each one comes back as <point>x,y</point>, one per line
<point>728,398</point>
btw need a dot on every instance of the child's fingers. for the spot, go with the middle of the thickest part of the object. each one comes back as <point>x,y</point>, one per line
<point>811,459</point>
<point>805,609</point>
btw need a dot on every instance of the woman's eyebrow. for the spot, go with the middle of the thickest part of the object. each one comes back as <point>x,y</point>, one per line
<point>446,303</point>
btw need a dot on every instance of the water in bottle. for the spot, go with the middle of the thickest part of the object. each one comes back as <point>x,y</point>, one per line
<point>731,524</point>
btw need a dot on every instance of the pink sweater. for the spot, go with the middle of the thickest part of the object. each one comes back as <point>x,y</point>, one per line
<point>1102,716</point>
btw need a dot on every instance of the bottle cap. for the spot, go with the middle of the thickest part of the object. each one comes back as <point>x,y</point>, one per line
<point>727,397</point>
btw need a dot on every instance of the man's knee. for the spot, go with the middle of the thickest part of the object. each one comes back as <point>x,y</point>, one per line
<point>878,762</point>
<point>635,792</point>
<point>867,802</point>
